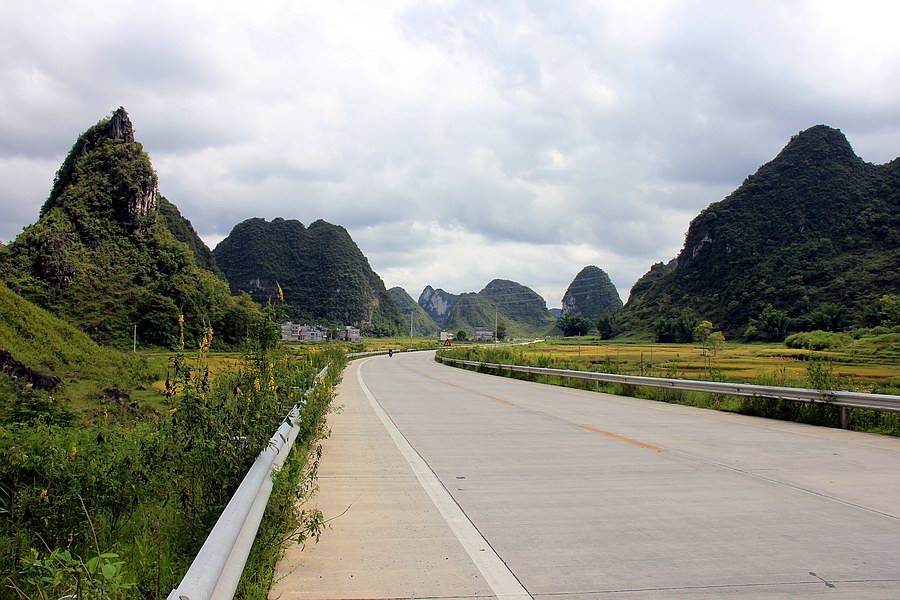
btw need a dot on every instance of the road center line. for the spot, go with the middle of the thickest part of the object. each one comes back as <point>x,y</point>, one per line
<point>622,437</point>
<point>495,572</point>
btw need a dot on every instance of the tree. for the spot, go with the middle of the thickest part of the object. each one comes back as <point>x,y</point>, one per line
<point>605,327</point>
<point>461,335</point>
<point>702,331</point>
<point>772,325</point>
<point>572,325</point>
<point>889,310</point>
<point>501,330</point>
<point>715,341</point>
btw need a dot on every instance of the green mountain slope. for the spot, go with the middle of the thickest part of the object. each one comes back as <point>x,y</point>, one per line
<point>322,272</point>
<point>100,257</point>
<point>422,323</point>
<point>472,310</point>
<point>184,232</point>
<point>591,294</point>
<point>520,304</point>
<point>50,345</point>
<point>45,354</point>
<point>813,237</point>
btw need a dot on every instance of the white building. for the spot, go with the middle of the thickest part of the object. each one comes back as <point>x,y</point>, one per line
<point>294,332</point>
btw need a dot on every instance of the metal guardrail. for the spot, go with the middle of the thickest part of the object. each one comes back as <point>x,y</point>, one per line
<point>218,566</point>
<point>882,402</point>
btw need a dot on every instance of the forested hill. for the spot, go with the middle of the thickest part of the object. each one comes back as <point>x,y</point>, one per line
<point>422,323</point>
<point>810,241</point>
<point>101,258</point>
<point>323,274</point>
<point>591,294</point>
<point>520,304</point>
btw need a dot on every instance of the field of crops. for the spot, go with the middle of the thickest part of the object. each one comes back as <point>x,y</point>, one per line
<point>862,368</point>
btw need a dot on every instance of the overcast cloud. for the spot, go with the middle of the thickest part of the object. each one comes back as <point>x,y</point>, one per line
<point>457,141</point>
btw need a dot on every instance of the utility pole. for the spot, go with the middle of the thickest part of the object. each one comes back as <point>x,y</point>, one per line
<point>495,326</point>
<point>134,342</point>
<point>410,327</point>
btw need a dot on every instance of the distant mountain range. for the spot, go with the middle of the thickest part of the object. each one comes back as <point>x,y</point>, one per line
<point>810,241</point>
<point>522,311</point>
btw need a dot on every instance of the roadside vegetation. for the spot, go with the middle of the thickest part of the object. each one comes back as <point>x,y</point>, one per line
<point>868,361</point>
<point>110,482</point>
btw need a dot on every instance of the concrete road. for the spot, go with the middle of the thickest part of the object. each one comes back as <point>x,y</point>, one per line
<point>573,494</point>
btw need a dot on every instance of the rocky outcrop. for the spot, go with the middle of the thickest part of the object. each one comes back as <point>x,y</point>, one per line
<point>437,303</point>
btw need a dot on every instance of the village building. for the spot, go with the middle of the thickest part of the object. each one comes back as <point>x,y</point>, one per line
<point>349,334</point>
<point>295,332</point>
<point>484,334</point>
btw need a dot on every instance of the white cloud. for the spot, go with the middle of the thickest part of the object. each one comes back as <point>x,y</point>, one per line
<point>457,141</point>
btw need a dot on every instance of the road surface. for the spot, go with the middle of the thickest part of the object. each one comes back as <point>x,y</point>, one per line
<point>443,483</point>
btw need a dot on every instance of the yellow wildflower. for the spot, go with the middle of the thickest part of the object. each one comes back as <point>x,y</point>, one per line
<point>206,340</point>
<point>74,450</point>
<point>256,385</point>
<point>280,292</point>
<point>44,496</point>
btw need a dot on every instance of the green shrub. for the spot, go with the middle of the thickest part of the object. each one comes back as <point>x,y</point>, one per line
<point>818,340</point>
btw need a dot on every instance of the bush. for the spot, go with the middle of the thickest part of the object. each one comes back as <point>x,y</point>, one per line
<point>818,340</point>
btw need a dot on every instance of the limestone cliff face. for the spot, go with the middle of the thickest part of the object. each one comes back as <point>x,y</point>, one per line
<point>437,303</point>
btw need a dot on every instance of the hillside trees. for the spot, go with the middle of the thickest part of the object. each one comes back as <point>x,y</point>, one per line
<point>101,257</point>
<point>814,234</point>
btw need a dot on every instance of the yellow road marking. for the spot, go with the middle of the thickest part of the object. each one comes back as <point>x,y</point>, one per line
<point>501,401</point>
<point>622,437</point>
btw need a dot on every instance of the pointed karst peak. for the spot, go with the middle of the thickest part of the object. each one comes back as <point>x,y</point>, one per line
<point>591,294</point>
<point>817,145</point>
<point>120,127</point>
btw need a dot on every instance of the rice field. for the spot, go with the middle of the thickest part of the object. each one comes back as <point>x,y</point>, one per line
<point>752,363</point>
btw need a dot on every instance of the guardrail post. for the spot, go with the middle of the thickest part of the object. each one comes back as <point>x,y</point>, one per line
<point>845,418</point>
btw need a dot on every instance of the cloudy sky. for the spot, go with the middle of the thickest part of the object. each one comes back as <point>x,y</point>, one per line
<point>457,141</point>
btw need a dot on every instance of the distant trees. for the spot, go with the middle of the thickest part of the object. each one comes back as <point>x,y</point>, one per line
<point>678,329</point>
<point>574,325</point>
<point>461,335</point>
<point>772,325</point>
